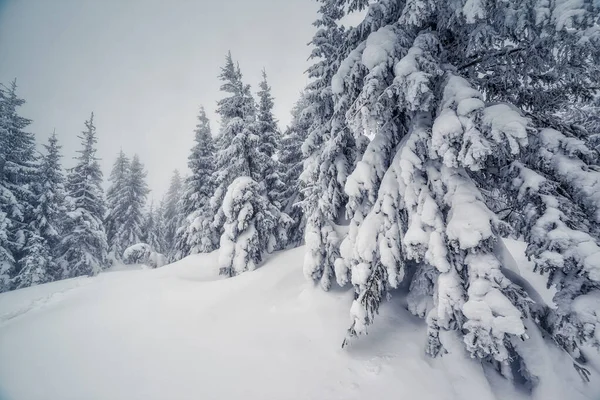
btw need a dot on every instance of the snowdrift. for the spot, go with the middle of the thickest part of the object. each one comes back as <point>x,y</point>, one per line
<point>183,332</point>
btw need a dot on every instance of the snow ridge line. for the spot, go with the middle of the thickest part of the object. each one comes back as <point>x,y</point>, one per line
<point>36,304</point>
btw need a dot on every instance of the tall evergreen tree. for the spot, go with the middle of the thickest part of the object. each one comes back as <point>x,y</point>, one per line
<point>236,142</point>
<point>51,208</point>
<point>18,200</point>
<point>117,204</point>
<point>265,120</point>
<point>151,231</point>
<point>268,143</point>
<point>171,214</point>
<point>40,265</point>
<point>239,155</point>
<point>292,163</point>
<point>457,108</point>
<point>160,226</point>
<point>129,232</point>
<point>196,235</point>
<point>84,246</point>
<point>330,150</point>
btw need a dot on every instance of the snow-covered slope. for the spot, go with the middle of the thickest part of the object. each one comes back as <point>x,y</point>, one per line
<point>182,332</point>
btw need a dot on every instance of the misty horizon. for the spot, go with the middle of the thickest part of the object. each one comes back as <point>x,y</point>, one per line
<point>146,81</point>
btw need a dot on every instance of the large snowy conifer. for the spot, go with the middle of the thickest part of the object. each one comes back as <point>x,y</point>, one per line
<point>330,149</point>
<point>239,152</point>
<point>130,230</point>
<point>291,160</point>
<point>116,199</point>
<point>40,264</point>
<point>23,257</point>
<point>51,207</point>
<point>457,101</point>
<point>196,235</point>
<point>152,229</point>
<point>268,143</point>
<point>171,215</point>
<point>83,247</point>
<point>236,141</point>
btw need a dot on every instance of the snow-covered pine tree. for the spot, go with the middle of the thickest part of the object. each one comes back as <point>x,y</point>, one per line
<point>330,148</point>
<point>151,230</point>
<point>6,258</point>
<point>41,265</point>
<point>249,230</point>
<point>239,145</point>
<point>9,208</point>
<point>159,221</point>
<point>196,235</point>
<point>83,247</point>
<point>292,163</point>
<point>236,139</point>
<point>427,218</point>
<point>265,121</point>
<point>129,232</point>
<point>239,155</point>
<point>51,208</point>
<point>25,254</point>
<point>171,216</point>
<point>268,143</point>
<point>117,205</point>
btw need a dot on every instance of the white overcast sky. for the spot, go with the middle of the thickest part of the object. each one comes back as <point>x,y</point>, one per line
<point>144,67</point>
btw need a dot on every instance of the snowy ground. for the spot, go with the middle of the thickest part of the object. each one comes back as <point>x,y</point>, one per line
<point>182,332</point>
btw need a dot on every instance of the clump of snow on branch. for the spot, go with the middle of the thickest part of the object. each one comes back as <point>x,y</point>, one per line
<point>465,132</point>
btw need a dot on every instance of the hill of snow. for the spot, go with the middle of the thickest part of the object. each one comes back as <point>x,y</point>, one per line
<point>183,332</point>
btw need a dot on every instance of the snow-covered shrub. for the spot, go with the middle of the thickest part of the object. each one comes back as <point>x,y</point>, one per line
<point>157,260</point>
<point>138,253</point>
<point>142,253</point>
<point>250,228</point>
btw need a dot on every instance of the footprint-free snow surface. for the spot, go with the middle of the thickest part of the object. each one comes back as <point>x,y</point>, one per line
<point>183,332</point>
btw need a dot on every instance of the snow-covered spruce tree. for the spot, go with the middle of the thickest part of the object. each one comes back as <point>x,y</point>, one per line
<point>249,230</point>
<point>40,263</point>
<point>426,218</point>
<point>239,151</point>
<point>196,235</point>
<point>152,230</point>
<point>116,199</point>
<point>7,260</point>
<point>129,232</point>
<point>265,121</point>
<point>320,211</point>
<point>51,208</point>
<point>6,257</point>
<point>24,251</point>
<point>364,77</point>
<point>291,160</point>
<point>171,216</point>
<point>159,223</point>
<point>83,247</point>
<point>235,140</point>
<point>330,148</point>
<point>268,143</point>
